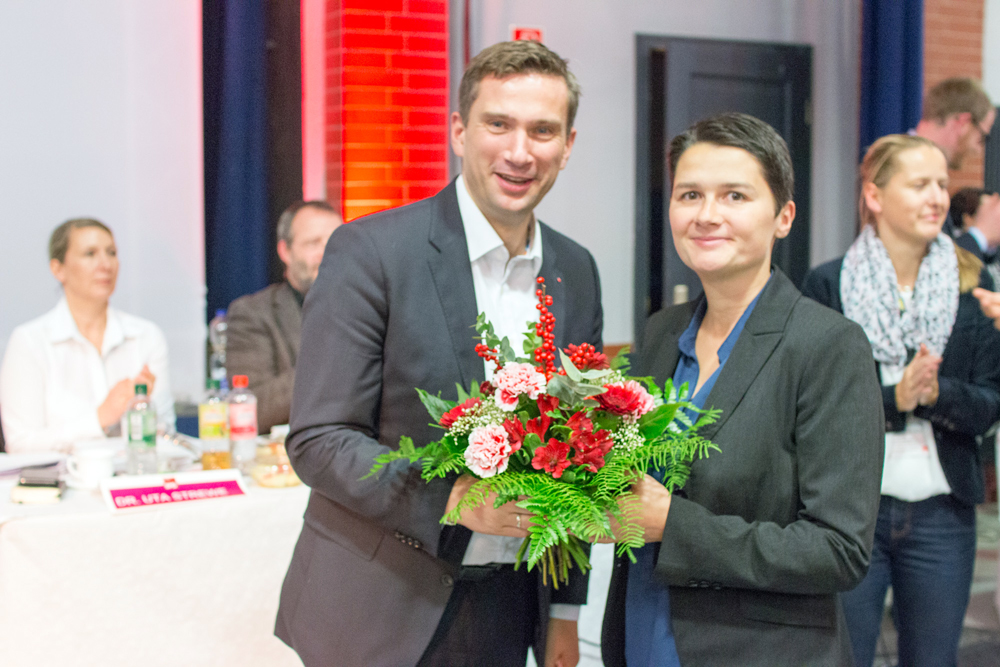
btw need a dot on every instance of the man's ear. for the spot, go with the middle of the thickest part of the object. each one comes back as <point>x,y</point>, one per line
<point>457,134</point>
<point>284,253</point>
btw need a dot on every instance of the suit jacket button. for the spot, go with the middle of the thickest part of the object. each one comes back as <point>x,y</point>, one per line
<point>716,586</point>
<point>447,580</point>
<point>703,584</point>
<point>692,583</point>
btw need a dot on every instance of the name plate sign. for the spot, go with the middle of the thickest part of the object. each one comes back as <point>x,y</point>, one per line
<point>137,492</point>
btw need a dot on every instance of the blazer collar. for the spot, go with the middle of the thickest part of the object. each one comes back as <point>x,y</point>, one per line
<point>452,273</point>
<point>761,335</point>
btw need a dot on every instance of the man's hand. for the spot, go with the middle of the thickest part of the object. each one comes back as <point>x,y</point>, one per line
<point>113,407</point>
<point>508,520</point>
<point>990,303</point>
<point>918,385</point>
<point>648,506</point>
<point>562,645</point>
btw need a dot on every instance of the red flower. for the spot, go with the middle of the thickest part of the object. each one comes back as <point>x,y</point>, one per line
<point>586,357</point>
<point>547,403</point>
<point>448,418</point>
<point>552,458</point>
<point>515,430</point>
<point>591,448</point>
<point>538,426</point>
<point>486,388</point>
<point>579,423</point>
<point>619,400</point>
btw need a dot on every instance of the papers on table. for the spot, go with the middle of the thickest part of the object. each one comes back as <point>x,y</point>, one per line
<point>11,464</point>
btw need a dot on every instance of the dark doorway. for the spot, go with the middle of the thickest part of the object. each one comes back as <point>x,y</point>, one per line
<point>681,81</point>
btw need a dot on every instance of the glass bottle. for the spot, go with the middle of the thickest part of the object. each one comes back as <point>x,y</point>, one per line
<point>242,424</point>
<point>213,428</point>
<point>139,429</point>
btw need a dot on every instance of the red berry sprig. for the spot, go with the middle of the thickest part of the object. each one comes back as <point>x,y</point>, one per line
<point>586,357</point>
<point>545,356</point>
<point>489,354</point>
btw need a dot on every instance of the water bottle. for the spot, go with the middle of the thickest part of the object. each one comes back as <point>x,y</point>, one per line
<point>213,428</point>
<point>242,424</point>
<point>139,429</point>
<point>217,339</point>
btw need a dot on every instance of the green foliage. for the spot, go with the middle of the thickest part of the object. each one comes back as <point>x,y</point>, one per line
<point>581,505</point>
<point>620,362</point>
<point>436,406</point>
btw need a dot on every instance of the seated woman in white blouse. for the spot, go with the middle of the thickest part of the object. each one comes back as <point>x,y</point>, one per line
<point>70,374</point>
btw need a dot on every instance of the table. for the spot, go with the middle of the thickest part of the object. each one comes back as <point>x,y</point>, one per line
<point>189,584</point>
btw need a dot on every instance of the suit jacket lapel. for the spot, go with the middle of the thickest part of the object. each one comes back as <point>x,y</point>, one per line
<point>288,315</point>
<point>452,272</point>
<point>762,333</point>
<point>554,287</point>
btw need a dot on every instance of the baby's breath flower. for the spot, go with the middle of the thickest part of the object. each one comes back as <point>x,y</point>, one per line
<point>627,436</point>
<point>485,414</point>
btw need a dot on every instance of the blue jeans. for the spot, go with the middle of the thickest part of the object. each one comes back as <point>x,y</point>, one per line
<point>925,551</point>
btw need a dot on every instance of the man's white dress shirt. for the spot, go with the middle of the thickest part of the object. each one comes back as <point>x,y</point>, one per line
<point>53,379</point>
<point>505,290</point>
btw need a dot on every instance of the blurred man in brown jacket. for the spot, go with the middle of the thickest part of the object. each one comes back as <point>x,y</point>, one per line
<point>265,327</point>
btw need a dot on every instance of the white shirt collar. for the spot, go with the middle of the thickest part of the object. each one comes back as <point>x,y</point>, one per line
<point>480,236</point>
<point>62,327</point>
<point>975,233</point>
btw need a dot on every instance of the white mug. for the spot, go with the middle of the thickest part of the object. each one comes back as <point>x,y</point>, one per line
<point>89,466</point>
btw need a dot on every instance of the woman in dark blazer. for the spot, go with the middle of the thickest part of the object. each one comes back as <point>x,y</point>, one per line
<point>909,286</point>
<point>742,565</point>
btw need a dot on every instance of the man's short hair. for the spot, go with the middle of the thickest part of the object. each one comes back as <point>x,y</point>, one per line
<point>957,95</point>
<point>284,231</point>
<point>965,202</point>
<point>59,240</point>
<point>739,130</point>
<point>510,58</point>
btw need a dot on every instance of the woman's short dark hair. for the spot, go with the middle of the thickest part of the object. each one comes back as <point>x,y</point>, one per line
<point>59,241</point>
<point>739,130</point>
<point>965,202</point>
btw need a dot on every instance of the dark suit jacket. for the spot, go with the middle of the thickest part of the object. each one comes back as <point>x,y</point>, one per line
<point>393,310</point>
<point>968,380</point>
<point>768,529</point>
<point>969,242</point>
<point>263,332</point>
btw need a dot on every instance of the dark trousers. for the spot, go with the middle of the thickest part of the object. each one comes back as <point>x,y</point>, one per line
<point>489,621</point>
<point>925,551</point>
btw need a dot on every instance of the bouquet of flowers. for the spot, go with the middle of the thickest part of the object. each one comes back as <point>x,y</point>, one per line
<point>566,445</point>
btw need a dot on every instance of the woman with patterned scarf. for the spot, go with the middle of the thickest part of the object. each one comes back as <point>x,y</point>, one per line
<point>909,287</point>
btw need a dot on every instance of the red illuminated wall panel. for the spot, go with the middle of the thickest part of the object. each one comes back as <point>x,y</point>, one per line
<point>387,102</point>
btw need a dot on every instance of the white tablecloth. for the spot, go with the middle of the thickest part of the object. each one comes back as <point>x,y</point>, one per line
<point>192,584</point>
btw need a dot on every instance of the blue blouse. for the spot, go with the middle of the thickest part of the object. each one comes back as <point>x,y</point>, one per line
<point>649,639</point>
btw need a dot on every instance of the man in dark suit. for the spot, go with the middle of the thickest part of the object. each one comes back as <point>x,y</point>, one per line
<point>264,328</point>
<point>976,212</point>
<point>376,579</point>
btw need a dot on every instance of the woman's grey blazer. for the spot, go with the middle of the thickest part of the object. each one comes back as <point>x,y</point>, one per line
<point>769,528</point>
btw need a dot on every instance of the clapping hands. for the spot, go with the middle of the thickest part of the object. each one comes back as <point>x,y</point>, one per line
<point>919,385</point>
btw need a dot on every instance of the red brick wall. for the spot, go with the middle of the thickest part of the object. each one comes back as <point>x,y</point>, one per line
<point>387,102</point>
<point>953,46</point>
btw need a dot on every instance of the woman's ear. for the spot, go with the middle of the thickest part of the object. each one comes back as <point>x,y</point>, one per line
<point>873,197</point>
<point>784,220</point>
<point>58,270</point>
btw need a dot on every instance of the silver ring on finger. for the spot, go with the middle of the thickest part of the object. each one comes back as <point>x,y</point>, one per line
<point>518,517</point>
